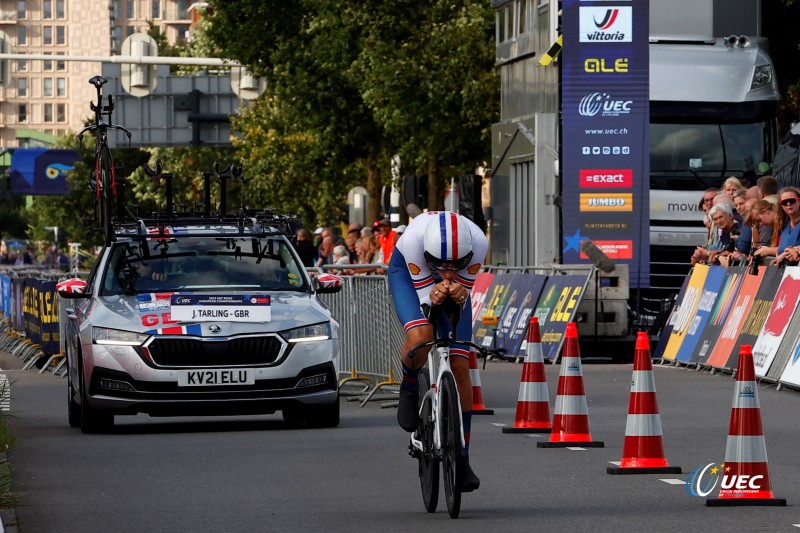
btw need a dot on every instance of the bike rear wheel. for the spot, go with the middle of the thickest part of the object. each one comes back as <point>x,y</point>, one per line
<point>428,463</point>
<point>450,426</point>
<point>106,196</point>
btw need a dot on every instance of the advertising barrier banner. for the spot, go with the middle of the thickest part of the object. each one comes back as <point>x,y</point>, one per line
<point>5,295</point>
<point>478,296</point>
<point>687,311</point>
<point>40,309</point>
<point>719,314</point>
<point>791,373</point>
<point>658,351</point>
<point>708,297</point>
<point>496,297</point>
<point>514,319</point>
<point>780,313</point>
<point>556,307</point>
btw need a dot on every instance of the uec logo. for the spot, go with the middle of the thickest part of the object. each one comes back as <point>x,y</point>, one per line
<point>702,485</point>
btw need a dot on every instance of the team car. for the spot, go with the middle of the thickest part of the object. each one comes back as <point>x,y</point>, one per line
<point>201,320</point>
<point>203,313</point>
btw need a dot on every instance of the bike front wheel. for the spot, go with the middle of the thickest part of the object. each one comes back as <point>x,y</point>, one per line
<point>450,425</point>
<point>428,463</point>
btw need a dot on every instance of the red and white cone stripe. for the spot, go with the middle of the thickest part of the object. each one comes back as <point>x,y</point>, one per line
<point>571,414</point>
<point>746,478</point>
<point>643,450</point>
<point>533,401</point>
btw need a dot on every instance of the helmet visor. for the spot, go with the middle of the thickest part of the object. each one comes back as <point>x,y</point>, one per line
<point>443,264</point>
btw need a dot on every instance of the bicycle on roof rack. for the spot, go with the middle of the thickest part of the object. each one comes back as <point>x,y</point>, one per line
<point>102,180</point>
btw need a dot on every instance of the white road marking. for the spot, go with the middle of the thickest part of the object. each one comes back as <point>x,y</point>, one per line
<point>498,424</point>
<point>674,481</point>
<point>615,463</point>
<point>576,448</point>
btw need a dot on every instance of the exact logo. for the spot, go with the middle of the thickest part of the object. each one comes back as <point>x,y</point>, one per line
<point>702,481</point>
<point>602,104</point>
<point>606,24</point>
<point>594,65</point>
<point>607,177</point>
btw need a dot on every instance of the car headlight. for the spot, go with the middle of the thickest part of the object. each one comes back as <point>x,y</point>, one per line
<point>317,332</point>
<point>117,337</point>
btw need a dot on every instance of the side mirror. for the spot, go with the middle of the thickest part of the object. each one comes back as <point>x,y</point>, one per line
<point>73,289</point>
<point>329,284</point>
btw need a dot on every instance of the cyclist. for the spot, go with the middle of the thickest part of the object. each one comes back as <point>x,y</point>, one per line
<point>435,262</point>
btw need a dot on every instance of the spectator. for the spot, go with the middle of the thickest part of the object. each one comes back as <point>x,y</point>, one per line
<point>386,238</point>
<point>790,231</point>
<point>305,248</point>
<point>63,261</point>
<point>769,222</point>
<point>767,186</point>
<point>739,200</point>
<point>318,237</point>
<point>731,185</point>
<point>50,257</point>
<point>353,233</point>
<point>29,257</point>
<point>746,240</point>
<point>398,231</point>
<point>707,203</point>
<point>754,193</point>
<point>326,245</point>
<point>728,230</point>
<point>341,257</point>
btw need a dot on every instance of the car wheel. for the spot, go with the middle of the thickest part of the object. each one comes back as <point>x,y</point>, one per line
<point>323,416</point>
<point>73,407</point>
<point>92,420</point>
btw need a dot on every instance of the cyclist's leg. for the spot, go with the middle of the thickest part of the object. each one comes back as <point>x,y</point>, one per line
<point>418,330</point>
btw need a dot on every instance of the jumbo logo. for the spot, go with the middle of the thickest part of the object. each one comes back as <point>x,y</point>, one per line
<point>607,177</point>
<point>595,65</point>
<point>606,202</point>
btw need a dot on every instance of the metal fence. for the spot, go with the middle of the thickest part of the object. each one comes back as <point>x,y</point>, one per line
<point>371,334</point>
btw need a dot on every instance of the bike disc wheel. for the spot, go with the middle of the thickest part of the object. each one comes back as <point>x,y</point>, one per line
<point>450,425</point>
<point>428,464</point>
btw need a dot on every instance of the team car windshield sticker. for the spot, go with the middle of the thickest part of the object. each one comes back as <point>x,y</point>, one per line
<point>155,301</point>
<point>213,307</point>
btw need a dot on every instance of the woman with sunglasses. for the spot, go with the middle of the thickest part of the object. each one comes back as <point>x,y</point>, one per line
<point>790,232</point>
<point>435,262</point>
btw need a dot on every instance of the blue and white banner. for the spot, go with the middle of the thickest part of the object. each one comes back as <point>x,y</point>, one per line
<point>606,142</point>
<point>41,170</point>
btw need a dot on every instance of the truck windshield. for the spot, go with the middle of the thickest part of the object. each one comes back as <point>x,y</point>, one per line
<point>698,156</point>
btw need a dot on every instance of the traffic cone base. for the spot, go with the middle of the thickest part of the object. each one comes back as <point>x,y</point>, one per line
<point>577,444</point>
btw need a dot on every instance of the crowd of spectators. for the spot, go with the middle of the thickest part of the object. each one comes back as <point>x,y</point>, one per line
<point>370,246</point>
<point>52,257</point>
<point>756,225</point>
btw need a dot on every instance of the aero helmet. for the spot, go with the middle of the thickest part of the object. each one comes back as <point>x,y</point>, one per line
<point>448,241</point>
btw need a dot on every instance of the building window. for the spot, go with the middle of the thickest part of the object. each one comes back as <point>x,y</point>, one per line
<point>22,36</point>
<point>47,35</point>
<point>117,8</point>
<point>156,11</point>
<point>117,35</point>
<point>47,9</point>
<point>182,13</point>
<point>60,11</point>
<point>61,87</point>
<point>61,35</point>
<point>129,9</point>
<point>129,30</point>
<point>22,87</point>
<point>22,113</point>
<point>47,64</point>
<point>48,112</point>
<point>22,65</point>
<point>47,87</point>
<point>61,112</point>
<point>183,32</point>
<point>61,65</point>
<point>22,9</point>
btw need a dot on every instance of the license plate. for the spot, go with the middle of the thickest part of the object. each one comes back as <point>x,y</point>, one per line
<point>216,377</point>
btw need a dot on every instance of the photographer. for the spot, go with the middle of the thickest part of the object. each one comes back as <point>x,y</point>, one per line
<point>728,231</point>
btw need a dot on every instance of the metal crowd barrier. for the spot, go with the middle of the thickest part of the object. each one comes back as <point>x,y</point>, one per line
<point>371,334</point>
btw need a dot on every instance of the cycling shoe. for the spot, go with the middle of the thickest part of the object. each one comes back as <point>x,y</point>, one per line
<point>408,410</point>
<point>468,481</point>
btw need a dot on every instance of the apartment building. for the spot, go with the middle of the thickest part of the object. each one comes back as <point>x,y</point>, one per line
<point>51,97</point>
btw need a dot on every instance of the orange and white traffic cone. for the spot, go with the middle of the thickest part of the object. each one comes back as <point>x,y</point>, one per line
<point>571,418</point>
<point>745,479</point>
<point>533,405</point>
<point>643,451</point>
<point>478,407</point>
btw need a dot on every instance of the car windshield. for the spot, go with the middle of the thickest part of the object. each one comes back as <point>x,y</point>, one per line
<point>203,263</point>
<point>698,156</point>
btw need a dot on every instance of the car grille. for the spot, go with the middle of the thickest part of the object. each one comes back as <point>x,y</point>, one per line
<point>191,352</point>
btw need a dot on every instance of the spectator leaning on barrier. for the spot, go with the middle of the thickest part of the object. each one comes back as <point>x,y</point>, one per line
<point>386,239</point>
<point>435,263</point>
<point>790,232</point>
<point>706,203</point>
<point>749,235</point>
<point>353,234</point>
<point>728,229</point>
<point>325,248</point>
<point>769,222</point>
<point>305,248</point>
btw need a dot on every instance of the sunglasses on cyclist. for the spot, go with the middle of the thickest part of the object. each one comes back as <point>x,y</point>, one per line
<point>789,201</point>
<point>439,264</point>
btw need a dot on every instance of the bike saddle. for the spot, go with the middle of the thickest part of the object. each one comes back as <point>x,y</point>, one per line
<point>98,81</point>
